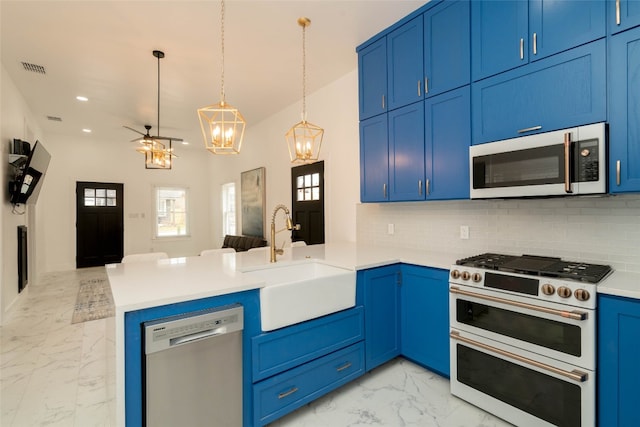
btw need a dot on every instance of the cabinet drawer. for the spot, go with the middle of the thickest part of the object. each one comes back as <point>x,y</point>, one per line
<point>283,393</point>
<point>286,348</point>
<point>565,90</point>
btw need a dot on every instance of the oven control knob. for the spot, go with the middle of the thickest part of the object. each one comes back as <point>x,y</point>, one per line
<point>564,292</point>
<point>455,274</point>
<point>476,277</point>
<point>548,289</point>
<point>466,275</point>
<point>581,294</point>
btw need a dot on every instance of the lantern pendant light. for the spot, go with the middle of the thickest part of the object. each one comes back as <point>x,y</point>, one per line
<point>222,125</point>
<point>304,139</point>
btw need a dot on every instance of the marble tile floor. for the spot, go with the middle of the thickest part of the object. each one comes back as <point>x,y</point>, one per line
<point>54,373</point>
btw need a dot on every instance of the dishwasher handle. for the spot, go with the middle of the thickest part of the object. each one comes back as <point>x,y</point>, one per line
<point>197,336</point>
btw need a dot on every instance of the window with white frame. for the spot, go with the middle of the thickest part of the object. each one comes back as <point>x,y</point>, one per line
<point>229,208</point>
<point>171,212</point>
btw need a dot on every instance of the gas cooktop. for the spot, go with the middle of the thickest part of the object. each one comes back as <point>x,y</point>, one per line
<point>539,266</point>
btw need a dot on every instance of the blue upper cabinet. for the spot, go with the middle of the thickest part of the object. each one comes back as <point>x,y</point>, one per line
<point>499,35</point>
<point>624,114</point>
<point>508,34</point>
<point>404,64</point>
<point>561,91</point>
<point>623,14</point>
<point>406,153</point>
<point>447,139</point>
<point>447,47</point>
<point>374,159</point>
<point>372,78</point>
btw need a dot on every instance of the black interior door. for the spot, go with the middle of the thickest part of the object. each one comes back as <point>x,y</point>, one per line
<point>307,201</point>
<point>99,223</point>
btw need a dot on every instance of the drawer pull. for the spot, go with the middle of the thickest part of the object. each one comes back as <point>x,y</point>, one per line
<point>343,367</point>
<point>287,393</point>
<point>529,129</point>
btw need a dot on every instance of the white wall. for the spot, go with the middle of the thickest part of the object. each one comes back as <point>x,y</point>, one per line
<point>334,108</point>
<point>16,121</point>
<point>90,159</point>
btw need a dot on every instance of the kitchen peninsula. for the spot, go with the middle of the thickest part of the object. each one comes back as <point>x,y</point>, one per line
<point>153,290</point>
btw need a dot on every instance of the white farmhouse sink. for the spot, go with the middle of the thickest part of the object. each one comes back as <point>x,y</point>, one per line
<point>302,291</point>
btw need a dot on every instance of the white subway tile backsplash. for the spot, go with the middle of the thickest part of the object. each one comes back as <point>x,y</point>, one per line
<point>593,229</point>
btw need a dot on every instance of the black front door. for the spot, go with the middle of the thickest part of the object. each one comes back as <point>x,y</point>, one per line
<point>99,223</point>
<point>307,201</point>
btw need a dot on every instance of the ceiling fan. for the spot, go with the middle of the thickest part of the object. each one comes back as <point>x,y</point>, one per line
<point>147,138</point>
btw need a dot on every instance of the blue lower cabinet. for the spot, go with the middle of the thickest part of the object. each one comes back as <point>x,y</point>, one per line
<point>283,393</point>
<point>618,349</point>
<point>425,317</point>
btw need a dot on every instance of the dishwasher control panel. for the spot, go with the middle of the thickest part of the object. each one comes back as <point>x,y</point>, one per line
<point>181,329</point>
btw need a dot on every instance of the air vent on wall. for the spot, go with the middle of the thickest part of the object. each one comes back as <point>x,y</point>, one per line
<point>34,68</point>
<point>54,118</point>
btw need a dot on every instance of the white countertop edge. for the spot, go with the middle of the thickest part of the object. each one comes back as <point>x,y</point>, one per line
<point>622,284</point>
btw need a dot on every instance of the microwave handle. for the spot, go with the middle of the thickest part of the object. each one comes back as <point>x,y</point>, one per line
<point>567,163</point>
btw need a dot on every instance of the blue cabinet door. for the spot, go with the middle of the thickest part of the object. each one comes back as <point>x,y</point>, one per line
<point>374,159</point>
<point>447,140</point>
<point>555,26</point>
<point>499,32</point>
<point>447,47</point>
<point>425,317</point>
<point>624,114</point>
<point>618,349</point>
<point>381,313</point>
<point>404,64</point>
<point>372,79</point>
<point>564,90</point>
<point>622,15</point>
<point>406,153</point>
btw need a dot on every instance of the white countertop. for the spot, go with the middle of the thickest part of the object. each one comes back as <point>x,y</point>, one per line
<point>622,284</point>
<point>147,284</point>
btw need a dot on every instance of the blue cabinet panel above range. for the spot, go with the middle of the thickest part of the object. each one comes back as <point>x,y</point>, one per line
<point>562,91</point>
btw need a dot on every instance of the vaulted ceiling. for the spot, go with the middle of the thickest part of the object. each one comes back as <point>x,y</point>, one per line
<point>103,50</point>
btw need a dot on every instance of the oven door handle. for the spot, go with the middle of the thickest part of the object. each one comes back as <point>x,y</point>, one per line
<point>574,315</point>
<point>575,375</point>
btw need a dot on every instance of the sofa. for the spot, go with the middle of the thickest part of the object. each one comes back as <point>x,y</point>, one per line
<point>243,243</point>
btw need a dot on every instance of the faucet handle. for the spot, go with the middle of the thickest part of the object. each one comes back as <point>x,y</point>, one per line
<point>279,251</point>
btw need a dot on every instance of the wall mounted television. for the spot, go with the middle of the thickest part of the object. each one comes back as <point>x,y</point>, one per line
<point>27,183</point>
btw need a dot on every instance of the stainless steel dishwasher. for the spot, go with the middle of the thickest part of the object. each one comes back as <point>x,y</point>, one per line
<point>193,369</point>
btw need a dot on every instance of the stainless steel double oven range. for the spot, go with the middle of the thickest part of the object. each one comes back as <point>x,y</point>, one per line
<point>523,337</point>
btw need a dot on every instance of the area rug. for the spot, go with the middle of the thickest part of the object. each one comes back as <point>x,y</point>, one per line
<point>94,301</point>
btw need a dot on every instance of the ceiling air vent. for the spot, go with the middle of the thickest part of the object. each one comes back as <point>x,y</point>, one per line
<point>54,118</point>
<point>34,68</point>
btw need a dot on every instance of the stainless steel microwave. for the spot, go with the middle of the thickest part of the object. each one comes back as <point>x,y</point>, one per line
<point>560,163</point>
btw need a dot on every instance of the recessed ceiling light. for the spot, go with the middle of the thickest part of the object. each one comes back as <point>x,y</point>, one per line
<point>185,142</point>
<point>82,98</point>
<point>86,130</point>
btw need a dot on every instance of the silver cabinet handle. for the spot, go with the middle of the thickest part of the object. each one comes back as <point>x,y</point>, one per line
<point>575,375</point>
<point>383,102</point>
<point>617,12</point>
<point>618,172</point>
<point>567,163</point>
<point>419,90</point>
<point>420,187</point>
<point>343,367</point>
<point>384,191</point>
<point>535,43</point>
<point>426,85</point>
<point>287,393</point>
<point>521,48</point>
<point>573,315</point>
<point>529,129</point>
<point>427,189</point>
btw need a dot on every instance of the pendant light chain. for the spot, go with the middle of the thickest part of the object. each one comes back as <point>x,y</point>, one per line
<point>158,129</point>
<point>304,74</point>
<point>222,49</point>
